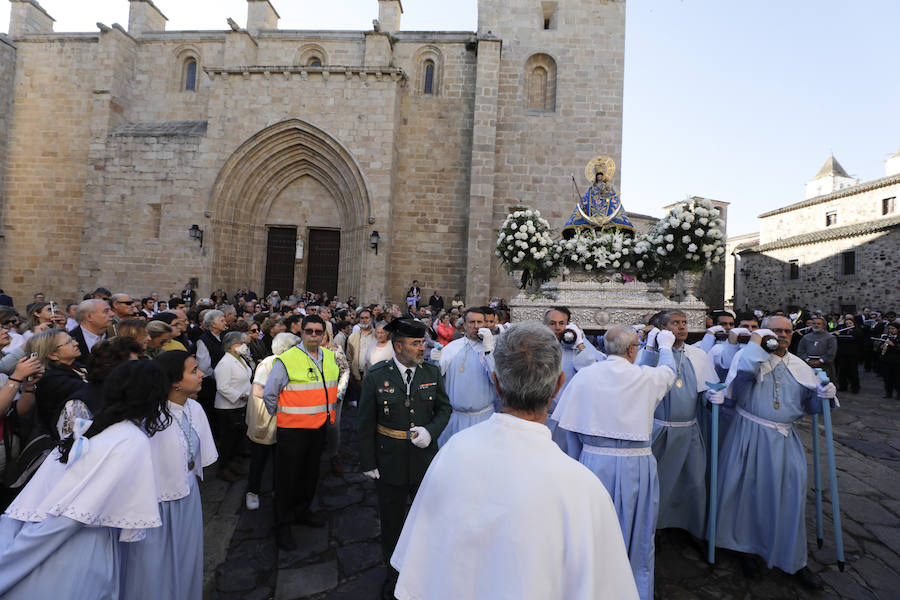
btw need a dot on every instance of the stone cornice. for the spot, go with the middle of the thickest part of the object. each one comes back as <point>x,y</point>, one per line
<point>41,38</point>
<point>848,191</point>
<point>5,40</point>
<point>326,71</point>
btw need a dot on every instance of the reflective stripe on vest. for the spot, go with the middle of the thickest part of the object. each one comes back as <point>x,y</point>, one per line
<point>307,401</point>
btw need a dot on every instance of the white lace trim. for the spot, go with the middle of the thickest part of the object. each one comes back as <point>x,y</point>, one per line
<point>645,451</point>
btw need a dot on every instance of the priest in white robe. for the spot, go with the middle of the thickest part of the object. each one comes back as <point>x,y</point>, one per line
<point>609,433</point>
<point>466,365</point>
<point>502,513</point>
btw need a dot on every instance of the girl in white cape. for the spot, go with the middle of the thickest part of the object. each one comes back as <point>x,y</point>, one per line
<point>168,563</point>
<point>62,537</point>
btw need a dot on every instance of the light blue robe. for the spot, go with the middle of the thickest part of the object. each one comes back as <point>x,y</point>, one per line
<point>58,558</point>
<point>471,390</point>
<point>168,563</point>
<point>762,473</point>
<point>680,452</point>
<point>572,362</point>
<point>633,485</point>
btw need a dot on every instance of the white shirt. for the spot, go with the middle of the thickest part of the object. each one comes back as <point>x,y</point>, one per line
<point>92,340</point>
<point>504,514</point>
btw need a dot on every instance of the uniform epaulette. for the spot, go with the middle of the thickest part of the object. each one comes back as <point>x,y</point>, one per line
<point>381,364</point>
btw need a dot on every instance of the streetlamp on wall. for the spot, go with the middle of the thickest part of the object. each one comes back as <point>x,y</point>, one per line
<point>196,233</point>
<point>374,238</point>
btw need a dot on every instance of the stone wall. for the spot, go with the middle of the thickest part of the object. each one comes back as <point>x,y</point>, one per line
<point>49,142</point>
<point>821,286</point>
<point>538,151</point>
<point>856,204</point>
<point>7,83</point>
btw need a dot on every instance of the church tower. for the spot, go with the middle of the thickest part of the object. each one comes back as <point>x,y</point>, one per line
<point>830,178</point>
<point>548,99</point>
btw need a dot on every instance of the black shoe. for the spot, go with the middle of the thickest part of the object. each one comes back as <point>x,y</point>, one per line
<point>751,567</point>
<point>285,540</point>
<point>808,579</point>
<point>310,519</point>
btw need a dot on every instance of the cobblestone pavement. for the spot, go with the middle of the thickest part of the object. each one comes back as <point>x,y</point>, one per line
<point>342,561</point>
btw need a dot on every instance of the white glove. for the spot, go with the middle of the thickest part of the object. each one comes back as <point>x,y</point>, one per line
<point>579,335</point>
<point>422,439</point>
<point>826,391</point>
<point>715,396</point>
<point>372,474</point>
<point>487,339</point>
<point>665,339</point>
<point>740,331</point>
<point>651,337</point>
<point>435,354</point>
<point>715,329</point>
<point>765,332</point>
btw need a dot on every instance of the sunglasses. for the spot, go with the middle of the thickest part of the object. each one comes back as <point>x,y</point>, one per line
<point>124,301</point>
<point>313,331</point>
<point>10,322</point>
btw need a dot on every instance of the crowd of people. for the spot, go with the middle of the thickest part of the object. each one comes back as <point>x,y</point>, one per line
<point>148,391</point>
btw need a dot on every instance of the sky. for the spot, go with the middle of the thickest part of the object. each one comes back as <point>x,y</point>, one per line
<point>736,101</point>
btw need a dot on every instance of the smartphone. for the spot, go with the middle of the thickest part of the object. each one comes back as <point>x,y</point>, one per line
<point>30,378</point>
<point>53,307</point>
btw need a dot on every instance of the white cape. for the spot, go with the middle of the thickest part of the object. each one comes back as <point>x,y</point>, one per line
<point>614,398</point>
<point>111,485</point>
<point>503,513</point>
<point>170,452</point>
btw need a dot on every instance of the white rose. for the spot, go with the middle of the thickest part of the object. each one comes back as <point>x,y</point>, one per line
<point>689,218</point>
<point>497,252</point>
<point>588,267</point>
<point>616,264</point>
<point>521,254</point>
<point>704,220</point>
<point>685,225</point>
<point>575,257</point>
<point>516,259</point>
<point>692,248</point>
<point>529,213</point>
<point>670,238</point>
<point>565,270</point>
<point>517,214</point>
<point>513,226</point>
<point>670,247</point>
<point>720,250</point>
<point>698,232</point>
<point>537,213</point>
<point>661,251</point>
<point>673,222</point>
<point>685,239</point>
<point>640,264</point>
<point>531,229</point>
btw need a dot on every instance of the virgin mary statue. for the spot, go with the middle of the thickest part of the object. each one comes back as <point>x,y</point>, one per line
<point>600,208</point>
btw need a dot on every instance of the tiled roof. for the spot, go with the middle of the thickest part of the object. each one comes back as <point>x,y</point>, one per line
<point>847,191</point>
<point>830,234</point>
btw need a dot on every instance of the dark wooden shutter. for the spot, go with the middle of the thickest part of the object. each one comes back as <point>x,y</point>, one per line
<point>324,258</point>
<point>280,253</point>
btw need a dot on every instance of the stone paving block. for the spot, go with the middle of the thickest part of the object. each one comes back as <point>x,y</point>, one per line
<point>342,500</point>
<point>865,510</point>
<point>216,539</point>
<point>358,525</point>
<point>306,581</point>
<point>356,557</point>
<point>847,585</point>
<point>236,579</point>
<point>310,541</point>
<point>890,536</point>
<point>877,575</point>
<point>363,587</point>
<point>258,554</point>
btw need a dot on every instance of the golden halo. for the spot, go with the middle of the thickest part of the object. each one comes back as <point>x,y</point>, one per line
<point>602,163</point>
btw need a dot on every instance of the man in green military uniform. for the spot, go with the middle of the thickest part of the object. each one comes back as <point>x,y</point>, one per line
<point>402,410</point>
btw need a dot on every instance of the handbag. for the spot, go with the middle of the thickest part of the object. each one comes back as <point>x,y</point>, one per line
<point>260,424</point>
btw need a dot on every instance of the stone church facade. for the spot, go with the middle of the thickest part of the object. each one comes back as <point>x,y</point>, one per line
<point>836,251</point>
<point>290,149</point>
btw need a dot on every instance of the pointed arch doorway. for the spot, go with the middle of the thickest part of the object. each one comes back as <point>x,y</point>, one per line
<point>291,175</point>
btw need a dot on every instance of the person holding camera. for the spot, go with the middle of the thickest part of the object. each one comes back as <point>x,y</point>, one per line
<point>762,466</point>
<point>577,353</point>
<point>467,365</point>
<point>818,347</point>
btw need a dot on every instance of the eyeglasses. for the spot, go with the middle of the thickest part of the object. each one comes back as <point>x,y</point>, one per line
<point>254,331</point>
<point>66,343</point>
<point>124,301</point>
<point>313,331</point>
<point>10,322</point>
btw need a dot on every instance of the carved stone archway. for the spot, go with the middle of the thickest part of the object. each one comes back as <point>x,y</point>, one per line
<point>253,177</point>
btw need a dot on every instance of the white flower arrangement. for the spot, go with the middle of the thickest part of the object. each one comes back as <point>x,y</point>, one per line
<point>524,243</point>
<point>696,228</point>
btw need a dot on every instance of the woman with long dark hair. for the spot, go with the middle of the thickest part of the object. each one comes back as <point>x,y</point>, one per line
<point>96,490</point>
<point>179,453</point>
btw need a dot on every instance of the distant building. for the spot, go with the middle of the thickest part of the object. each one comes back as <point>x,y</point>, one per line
<point>838,250</point>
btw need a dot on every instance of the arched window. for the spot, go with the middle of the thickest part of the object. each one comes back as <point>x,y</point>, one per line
<point>539,83</point>
<point>429,64</point>
<point>311,55</point>
<point>429,77</point>
<point>190,75</point>
<point>314,61</point>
